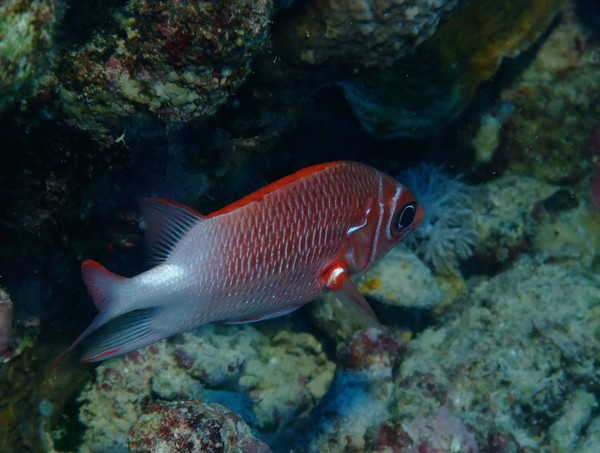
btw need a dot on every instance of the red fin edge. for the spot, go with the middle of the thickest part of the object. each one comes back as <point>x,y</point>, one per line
<point>100,356</point>
<point>174,203</point>
<point>97,267</point>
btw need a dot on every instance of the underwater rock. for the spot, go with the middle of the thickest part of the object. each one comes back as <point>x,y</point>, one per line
<point>440,433</point>
<point>423,92</point>
<point>515,374</point>
<point>375,352</point>
<point>270,382</point>
<point>359,395</point>
<point>487,138</point>
<point>399,279</point>
<point>363,33</point>
<point>192,426</point>
<point>593,145</point>
<point>557,104</point>
<point>506,212</point>
<point>7,346</point>
<point>166,61</point>
<point>512,367</point>
<point>27,41</point>
<point>570,233</point>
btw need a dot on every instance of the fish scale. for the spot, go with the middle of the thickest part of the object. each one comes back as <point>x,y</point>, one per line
<point>260,257</point>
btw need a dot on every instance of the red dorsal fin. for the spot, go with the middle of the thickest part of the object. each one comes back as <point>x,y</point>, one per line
<point>166,223</point>
<point>259,194</point>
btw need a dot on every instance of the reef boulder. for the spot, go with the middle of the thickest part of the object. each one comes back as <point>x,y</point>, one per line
<point>172,61</point>
<point>192,426</point>
<point>367,33</point>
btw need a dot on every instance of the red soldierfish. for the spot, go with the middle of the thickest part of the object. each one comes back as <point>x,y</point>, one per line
<point>260,257</point>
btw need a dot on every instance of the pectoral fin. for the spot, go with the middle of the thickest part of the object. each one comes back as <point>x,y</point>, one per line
<point>336,278</point>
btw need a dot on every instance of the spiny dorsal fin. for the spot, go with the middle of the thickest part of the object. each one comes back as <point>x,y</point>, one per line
<point>166,223</point>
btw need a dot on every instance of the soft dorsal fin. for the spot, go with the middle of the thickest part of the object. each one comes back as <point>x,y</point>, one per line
<point>166,223</point>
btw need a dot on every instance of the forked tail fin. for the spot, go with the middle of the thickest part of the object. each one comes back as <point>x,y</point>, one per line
<point>119,327</point>
<point>101,283</point>
<point>103,286</point>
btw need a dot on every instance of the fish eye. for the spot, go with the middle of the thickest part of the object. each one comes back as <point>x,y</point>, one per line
<point>406,216</point>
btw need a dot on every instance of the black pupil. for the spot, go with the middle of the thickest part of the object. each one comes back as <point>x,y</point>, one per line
<point>407,215</point>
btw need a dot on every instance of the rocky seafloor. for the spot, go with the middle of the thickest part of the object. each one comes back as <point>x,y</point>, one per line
<point>490,311</point>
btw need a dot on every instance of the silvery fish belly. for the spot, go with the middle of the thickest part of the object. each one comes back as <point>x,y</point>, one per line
<point>260,257</point>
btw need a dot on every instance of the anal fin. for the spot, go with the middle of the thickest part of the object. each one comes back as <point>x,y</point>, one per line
<point>122,334</point>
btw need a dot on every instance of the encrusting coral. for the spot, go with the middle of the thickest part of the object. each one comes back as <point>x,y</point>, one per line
<point>511,368</point>
<point>270,382</point>
<point>557,105</point>
<point>192,426</point>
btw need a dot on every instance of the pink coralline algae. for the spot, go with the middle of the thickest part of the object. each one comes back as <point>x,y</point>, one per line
<point>189,426</point>
<point>373,351</point>
<point>440,433</point>
<point>173,61</point>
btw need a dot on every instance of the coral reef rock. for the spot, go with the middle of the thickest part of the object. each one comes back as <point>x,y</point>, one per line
<point>7,347</point>
<point>359,396</point>
<point>192,426</point>
<point>506,212</point>
<point>271,383</point>
<point>511,368</point>
<point>422,93</point>
<point>175,61</point>
<point>399,279</point>
<point>27,34</point>
<point>516,359</point>
<point>557,104</point>
<point>365,33</point>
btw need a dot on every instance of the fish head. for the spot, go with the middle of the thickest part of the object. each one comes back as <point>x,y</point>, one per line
<point>387,219</point>
<point>401,213</point>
